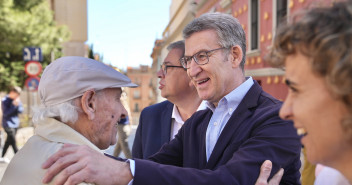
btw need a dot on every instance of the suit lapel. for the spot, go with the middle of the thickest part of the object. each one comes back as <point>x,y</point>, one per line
<point>166,123</point>
<point>237,118</point>
<point>203,131</point>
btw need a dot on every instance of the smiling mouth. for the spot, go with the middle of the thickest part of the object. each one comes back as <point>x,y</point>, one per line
<point>301,132</point>
<point>203,81</point>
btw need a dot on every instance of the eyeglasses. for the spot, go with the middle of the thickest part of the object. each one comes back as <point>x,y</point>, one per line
<point>201,58</point>
<point>164,67</point>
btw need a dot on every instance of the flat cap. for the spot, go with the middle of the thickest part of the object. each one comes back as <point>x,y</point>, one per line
<point>69,77</point>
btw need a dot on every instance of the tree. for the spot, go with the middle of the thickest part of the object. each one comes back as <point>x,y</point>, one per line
<point>91,52</point>
<point>23,24</point>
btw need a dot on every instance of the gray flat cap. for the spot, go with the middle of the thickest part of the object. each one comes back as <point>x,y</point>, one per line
<point>69,77</point>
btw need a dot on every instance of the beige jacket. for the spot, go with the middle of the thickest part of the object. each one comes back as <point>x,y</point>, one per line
<point>50,135</point>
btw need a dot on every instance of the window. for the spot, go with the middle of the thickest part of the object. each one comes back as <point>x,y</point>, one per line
<point>281,11</point>
<point>136,94</point>
<point>254,24</point>
<point>137,81</point>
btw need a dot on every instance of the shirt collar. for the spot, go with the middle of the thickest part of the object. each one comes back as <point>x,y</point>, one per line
<point>234,98</point>
<point>176,115</point>
<point>202,106</point>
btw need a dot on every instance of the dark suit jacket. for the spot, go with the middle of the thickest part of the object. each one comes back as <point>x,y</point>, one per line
<point>153,130</point>
<point>253,134</point>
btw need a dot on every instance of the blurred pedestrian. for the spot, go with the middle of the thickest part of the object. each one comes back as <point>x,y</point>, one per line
<point>11,107</point>
<point>122,142</point>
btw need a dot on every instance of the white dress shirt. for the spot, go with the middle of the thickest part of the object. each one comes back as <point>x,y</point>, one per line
<point>177,122</point>
<point>222,113</point>
<point>329,176</point>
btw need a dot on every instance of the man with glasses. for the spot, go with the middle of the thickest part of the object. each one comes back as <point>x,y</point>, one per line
<point>159,123</point>
<point>224,144</point>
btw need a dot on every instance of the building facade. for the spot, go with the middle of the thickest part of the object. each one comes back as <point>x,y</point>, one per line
<point>73,14</point>
<point>143,95</point>
<point>181,13</point>
<point>259,19</point>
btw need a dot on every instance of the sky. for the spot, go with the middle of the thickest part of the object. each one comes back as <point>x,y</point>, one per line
<point>124,31</point>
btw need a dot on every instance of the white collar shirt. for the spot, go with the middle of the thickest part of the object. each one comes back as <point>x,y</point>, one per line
<point>177,122</point>
<point>222,113</point>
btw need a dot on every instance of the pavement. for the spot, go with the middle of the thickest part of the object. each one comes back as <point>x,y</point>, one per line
<point>23,134</point>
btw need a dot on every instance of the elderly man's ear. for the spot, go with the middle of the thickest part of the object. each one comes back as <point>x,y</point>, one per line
<point>89,102</point>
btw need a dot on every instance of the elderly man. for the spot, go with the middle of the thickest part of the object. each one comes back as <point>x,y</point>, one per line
<point>80,105</point>
<point>224,144</point>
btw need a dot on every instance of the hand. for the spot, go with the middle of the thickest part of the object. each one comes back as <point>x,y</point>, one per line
<point>16,102</point>
<point>265,173</point>
<point>74,164</point>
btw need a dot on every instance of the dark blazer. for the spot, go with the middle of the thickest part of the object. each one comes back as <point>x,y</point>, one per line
<point>253,134</point>
<point>153,131</point>
<point>10,113</point>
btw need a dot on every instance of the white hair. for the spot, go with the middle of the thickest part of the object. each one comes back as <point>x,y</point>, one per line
<point>66,112</point>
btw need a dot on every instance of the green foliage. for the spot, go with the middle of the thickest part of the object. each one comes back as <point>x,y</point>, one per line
<point>95,56</point>
<point>26,23</point>
<point>26,4</point>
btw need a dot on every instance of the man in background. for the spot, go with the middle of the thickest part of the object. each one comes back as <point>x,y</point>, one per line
<point>159,123</point>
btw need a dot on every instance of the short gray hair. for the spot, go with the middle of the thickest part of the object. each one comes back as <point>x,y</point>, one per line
<point>228,29</point>
<point>177,45</point>
<point>66,112</point>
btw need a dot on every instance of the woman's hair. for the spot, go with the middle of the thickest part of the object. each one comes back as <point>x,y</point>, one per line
<point>324,36</point>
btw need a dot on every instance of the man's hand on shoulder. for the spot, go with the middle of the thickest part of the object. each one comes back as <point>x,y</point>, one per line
<point>74,164</point>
